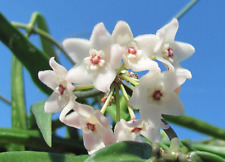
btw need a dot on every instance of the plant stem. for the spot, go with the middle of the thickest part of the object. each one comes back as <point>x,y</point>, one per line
<point>43,34</point>
<point>5,100</point>
<point>197,125</point>
<point>117,104</point>
<point>81,87</point>
<point>121,68</point>
<point>129,79</point>
<point>107,100</point>
<point>131,112</point>
<point>184,10</point>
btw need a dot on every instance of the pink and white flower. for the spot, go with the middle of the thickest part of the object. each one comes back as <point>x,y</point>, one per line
<point>97,59</point>
<point>137,49</point>
<point>169,51</point>
<point>62,89</point>
<point>131,131</point>
<point>155,96</point>
<point>97,131</point>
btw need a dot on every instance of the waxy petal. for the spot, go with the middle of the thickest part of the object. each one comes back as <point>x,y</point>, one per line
<point>116,54</point>
<point>79,74</point>
<point>182,51</point>
<point>48,77</point>
<point>57,68</point>
<point>104,79</point>
<point>77,48</point>
<point>122,34</point>
<point>53,105</point>
<point>101,39</point>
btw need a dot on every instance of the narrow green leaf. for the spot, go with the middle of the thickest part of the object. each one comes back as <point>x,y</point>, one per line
<point>41,24</point>
<point>197,125</point>
<point>19,118</point>
<point>205,156</point>
<point>44,121</point>
<point>31,57</point>
<point>40,156</point>
<point>33,139</point>
<point>218,150</point>
<point>122,151</point>
<point>17,94</point>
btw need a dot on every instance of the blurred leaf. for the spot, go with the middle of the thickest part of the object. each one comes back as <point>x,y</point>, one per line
<point>205,156</point>
<point>47,46</point>
<point>27,156</point>
<point>44,121</point>
<point>32,58</point>
<point>218,150</point>
<point>122,151</point>
<point>19,118</point>
<point>33,139</point>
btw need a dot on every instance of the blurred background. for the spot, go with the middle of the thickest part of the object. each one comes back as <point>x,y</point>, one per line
<point>203,26</point>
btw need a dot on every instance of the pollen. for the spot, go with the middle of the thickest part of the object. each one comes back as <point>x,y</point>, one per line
<point>136,130</point>
<point>157,95</point>
<point>91,127</point>
<point>61,89</point>
<point>132,50</point>
<point>95,59</point>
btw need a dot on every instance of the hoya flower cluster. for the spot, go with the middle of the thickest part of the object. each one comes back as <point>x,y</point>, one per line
<point>108,62</point>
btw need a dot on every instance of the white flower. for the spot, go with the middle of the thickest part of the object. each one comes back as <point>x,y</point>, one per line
<point>155,95</point>
<point>97,60</point>
<point>62,89</point>
<point>97,131</point>
<point>137,49</point>
<point>131,131</point>
<point>169,51</point>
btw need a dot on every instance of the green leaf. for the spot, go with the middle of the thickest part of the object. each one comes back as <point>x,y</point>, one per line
<point>27,156</point>
<point>218,150</point>
<point>44,121</point>
<point>41,24</point>
<point>19,118</point>
<point>122,151</point>
<point>33,139</point>
<point>205,156</point>
<point>31,57</point>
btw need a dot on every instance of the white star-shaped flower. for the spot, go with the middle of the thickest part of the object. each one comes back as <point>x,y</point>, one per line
<point>97,59</point>
<point>137,49</point>
<point>155,95</point>
<point>171,52</point>
<point>131,131</point>
<point>97,131</point>
<point>62,89</point>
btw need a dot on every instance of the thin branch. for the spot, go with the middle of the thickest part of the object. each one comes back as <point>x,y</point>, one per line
<point>5,100</point>
<point>184,10</point>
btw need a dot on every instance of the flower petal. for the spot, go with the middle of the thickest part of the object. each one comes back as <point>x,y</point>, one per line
<point>122,34</point>
<point>100,38</point>
<point>52,105</point>
<point>77,48</point>
<point>116,54</point>
<point>57,68</point>
<point>49,78</point>
<point>79,74</point>
<point>170,30</point>
<point>182,51</point>
<point>172,105</point>
<point>104,79</point>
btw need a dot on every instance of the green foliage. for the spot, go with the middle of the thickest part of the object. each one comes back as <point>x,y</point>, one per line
<point>39,156</point>
<point>44,121</point>
<point>122,151</point>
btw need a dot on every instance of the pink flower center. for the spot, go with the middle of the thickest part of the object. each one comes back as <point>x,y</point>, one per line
<point>95,59</point>
<point>61,89</point>
<point>132,50</point>
<point>170,52</point>
<point>136,130</point>
<point>91,127</point>
<point>157,94</point>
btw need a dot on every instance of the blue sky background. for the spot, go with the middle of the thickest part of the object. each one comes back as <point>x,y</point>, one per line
<point>203,27</point>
